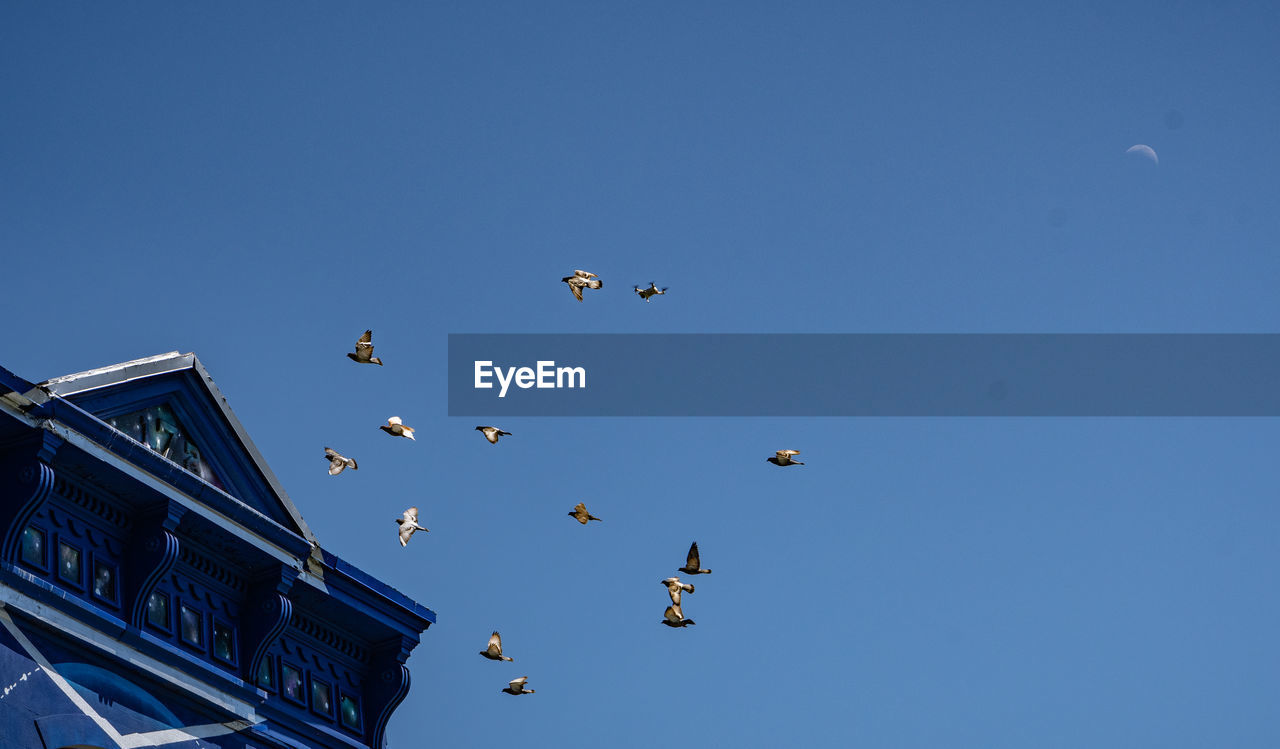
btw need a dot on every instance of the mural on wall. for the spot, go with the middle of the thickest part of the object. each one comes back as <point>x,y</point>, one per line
<point>157,427</point>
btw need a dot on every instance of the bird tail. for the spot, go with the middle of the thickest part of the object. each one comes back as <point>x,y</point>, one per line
<point>595,283</point>
<point>377,361</point>
<point>593,517</point>
<point>507,658</point>
<point>797,462</point>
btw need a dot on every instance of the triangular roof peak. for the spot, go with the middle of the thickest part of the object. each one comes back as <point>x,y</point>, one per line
<point>171,404</point>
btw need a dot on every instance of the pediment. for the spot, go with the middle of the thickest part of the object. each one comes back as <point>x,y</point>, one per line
<point>170,404</point>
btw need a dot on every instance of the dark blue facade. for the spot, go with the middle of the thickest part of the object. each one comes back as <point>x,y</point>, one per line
<point>159,588</point>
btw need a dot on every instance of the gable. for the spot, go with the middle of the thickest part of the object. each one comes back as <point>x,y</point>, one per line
<point>170,404</point>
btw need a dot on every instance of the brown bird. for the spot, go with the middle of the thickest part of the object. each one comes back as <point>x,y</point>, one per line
<point>337,463</point>
<point>783,458</point>
<point>494,651</point>
<point>364,350</point>
<point>674,617</point>
<point>492,434</point>
<point>396,428</point>
<point>408,525</point>
<point>516,686</point>
<point>674,586</point>
<point>581,279</point>
<point>580,512</point>
<point>692,565</point>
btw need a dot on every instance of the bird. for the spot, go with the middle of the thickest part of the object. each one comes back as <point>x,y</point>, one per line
<point>492,434</point>
<point>516,686</point>
<point>396,428</point>
<point>674,586</point>
<point>692,565</point>
<point>674,617</point>
<point>494,651</point>
<point>408,525</point>
<point>580,512</point>
<point>784,458</point>
<point>338,462</point>
<point>580,279</point>
<point>653,290</point>
<point>364,350</point>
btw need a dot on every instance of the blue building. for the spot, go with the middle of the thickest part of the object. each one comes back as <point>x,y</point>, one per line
<point>159,589</point>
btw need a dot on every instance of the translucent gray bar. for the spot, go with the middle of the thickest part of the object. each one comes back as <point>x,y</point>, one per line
<point>873,375</point>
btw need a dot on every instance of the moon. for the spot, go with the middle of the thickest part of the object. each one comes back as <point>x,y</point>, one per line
<point>1147,151</point>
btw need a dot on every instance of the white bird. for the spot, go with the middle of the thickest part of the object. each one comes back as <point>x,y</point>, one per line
<point>337,462</point>
<point>692,565</point>
<point>783,458</point>
<point>674,586</point>
<point>492,434</point>
<point>408,525</point>
<point>396,428</point>
<point>674,617</point>
<point>494,651</point>
<point>580,513</point>
<point>516,686</point>
<point>364,350</point>
<point>582,279</point>
<point>653,290</point>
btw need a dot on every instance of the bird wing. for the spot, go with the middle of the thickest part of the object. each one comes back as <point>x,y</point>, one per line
<point>583,274</point>
<point>581,507</point>
<point>394,420</point>
<point>329,451</point>
<point>407,431</point>
<point>406,532</point>
<point>692,562</point>
<point>336,465</point>
<point>495,644</point>
<point>577,291</point>
<point>518,684</point>
<point>786,454</point>
<point>411,515</point>
<point>672,614</point>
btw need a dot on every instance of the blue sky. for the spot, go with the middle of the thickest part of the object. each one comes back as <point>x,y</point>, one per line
<point>260,184</point>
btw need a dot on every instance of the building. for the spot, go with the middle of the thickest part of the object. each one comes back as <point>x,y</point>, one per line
<point>159,588</point>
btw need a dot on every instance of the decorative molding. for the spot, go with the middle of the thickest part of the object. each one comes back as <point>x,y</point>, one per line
<point>155,556</point>
<point>264,616</point>
<point>20,498</point>
<point>385,693</point>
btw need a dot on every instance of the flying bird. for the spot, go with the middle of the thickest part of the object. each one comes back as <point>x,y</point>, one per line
<point>674,617</point>
<point>783,458</point>
<point>692,565</point>
<point>396,428</point>
<point>581,279</point>
<point>494,651</point>
<point>653,290</point>
<point>337,462</point>
<point>1147,151</point>
<point>492,434</point>
<point>674,586</point>
<point>408,525</point>
<point>364,350</point>
<point>580,512</point>
<point>516,686</point>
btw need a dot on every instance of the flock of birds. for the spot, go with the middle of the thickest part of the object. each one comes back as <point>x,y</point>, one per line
<point>408,522</point>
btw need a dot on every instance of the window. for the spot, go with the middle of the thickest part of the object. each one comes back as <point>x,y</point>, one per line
<point>104,581</point>
<point>267,673</point>
<point>321,697</point>
<point>224,642</point>
<point>33,547</point>
<point>350,713</point>
<point>158,611</point>
<point>69,564</point>
<point>291,682</point>
<point>192,630</point>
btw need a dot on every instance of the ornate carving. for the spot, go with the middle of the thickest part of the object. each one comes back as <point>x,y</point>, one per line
<point>148,565</point>
<point>385,695</point>
<point>268,596</point>
<point>20,500</point>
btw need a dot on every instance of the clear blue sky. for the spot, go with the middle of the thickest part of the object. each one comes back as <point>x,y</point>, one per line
<point>260,184</point>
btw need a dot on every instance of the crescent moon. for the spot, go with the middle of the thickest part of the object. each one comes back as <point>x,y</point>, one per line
<point>1147,151</point>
